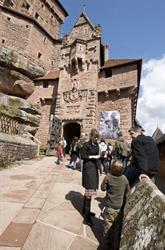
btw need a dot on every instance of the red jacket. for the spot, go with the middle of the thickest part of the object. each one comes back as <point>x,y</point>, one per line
<point>59,150</point>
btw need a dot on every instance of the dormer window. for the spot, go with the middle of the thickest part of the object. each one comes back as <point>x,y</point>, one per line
<point>85,30</point>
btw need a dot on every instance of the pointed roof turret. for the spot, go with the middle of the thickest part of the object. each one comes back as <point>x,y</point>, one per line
<point>157,134</point>
<point>83,19</point>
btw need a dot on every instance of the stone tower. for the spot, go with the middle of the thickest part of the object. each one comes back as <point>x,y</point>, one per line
<point>77,97</point>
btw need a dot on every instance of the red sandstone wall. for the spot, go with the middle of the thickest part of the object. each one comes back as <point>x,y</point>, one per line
<point>43,93</point>
<point>13,148</point>
<point>43,131</point>
<point>27,39</point>
<point>47,13</point>
<point>125,76</point>
<point>43,98</point>
<point>118,97</point>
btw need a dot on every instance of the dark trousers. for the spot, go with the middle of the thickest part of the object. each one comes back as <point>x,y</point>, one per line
<point>73,157</point>
<point>132,173</point>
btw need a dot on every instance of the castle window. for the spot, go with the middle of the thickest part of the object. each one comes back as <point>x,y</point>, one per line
<point>73,68</point>
<point>36,16</point>
<point>108,73</point>
<point>73,65</point>
<point>39,55</point>
<point>8,18</point>
<point>80,64</point>
<point>25,6</point>
<point>86,30</point>
<point>3,41</point>
<point>45,84</point>
<point>27,26</point>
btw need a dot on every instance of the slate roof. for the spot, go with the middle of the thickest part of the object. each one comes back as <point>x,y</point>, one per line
<point>111,63</point>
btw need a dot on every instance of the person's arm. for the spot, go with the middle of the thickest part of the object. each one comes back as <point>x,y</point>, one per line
<point>127,189</point>
<point>85,153</point>
<point>104,184</point>
<point>139,155</point>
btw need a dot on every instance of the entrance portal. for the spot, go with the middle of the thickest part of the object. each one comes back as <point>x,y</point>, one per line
<point>70,131</point>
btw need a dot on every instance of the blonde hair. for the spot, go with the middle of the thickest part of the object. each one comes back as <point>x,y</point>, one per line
<point>117,168</point>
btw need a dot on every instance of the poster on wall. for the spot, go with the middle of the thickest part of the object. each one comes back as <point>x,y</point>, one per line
<point>109,124</point>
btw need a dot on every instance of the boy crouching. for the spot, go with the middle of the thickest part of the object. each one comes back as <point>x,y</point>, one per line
<point>117,187</point>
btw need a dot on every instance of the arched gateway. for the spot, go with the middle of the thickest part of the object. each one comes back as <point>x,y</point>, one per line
<point>70,130</point>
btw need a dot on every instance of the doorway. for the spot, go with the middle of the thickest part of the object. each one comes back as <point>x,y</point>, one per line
<point>71,130</point>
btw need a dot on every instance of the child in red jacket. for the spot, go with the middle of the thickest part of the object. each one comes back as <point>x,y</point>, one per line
<point>59,153</point>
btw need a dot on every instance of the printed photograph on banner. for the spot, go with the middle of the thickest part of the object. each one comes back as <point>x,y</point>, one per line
<point>109,124</point>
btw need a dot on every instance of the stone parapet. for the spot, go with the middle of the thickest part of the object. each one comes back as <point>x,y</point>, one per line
<point>144,219</point>
<point>13,148</point>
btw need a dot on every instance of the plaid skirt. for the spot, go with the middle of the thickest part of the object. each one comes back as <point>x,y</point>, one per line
<point>90,192</point>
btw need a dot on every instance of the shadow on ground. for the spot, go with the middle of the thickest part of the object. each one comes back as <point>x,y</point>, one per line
<point>76,199</point>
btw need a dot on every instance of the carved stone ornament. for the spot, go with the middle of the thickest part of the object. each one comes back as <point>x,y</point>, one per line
<point>74,95</point>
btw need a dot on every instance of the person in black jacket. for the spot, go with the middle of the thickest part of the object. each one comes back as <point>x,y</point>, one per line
<point>90,178</point>
<point>145,156</point>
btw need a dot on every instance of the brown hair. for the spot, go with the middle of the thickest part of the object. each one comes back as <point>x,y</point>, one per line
<point>135,129</point>
<point>94,133</point>
<point>117,168</point>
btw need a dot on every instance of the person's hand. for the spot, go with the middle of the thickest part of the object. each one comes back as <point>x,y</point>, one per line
<point>143,177</point>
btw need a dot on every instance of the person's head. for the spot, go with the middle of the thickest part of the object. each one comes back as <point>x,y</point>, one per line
<point>108,123</point>
<point>82,134</point>
<point>135,131</point>
<point>102,140</point>
<point>75,138</point>
<point>117,168</point>
<point>94,135</point>
<point>120,134</point>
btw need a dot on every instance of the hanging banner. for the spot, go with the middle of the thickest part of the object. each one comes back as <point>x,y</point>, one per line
<point>109,124</point>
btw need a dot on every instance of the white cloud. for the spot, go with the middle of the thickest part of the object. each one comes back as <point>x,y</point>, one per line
<point>151,103</point>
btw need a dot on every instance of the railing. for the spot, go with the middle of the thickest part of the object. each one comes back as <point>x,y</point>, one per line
<point>8,125</point>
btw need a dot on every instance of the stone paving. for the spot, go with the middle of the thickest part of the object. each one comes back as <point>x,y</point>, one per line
<point>40,208</point>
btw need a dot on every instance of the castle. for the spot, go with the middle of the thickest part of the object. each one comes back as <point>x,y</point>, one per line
<point>76,85</point>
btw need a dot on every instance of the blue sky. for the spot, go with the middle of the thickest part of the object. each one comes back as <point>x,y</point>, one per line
<point>133,29</point>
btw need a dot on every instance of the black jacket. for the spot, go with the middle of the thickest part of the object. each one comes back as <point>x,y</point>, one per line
<point>145,154</point>
<point>90,179</point>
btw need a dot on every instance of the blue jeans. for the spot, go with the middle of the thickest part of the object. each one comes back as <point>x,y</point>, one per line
<point>58,159</point>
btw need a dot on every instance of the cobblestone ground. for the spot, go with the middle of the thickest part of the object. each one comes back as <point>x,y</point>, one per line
<point>40,208</point>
